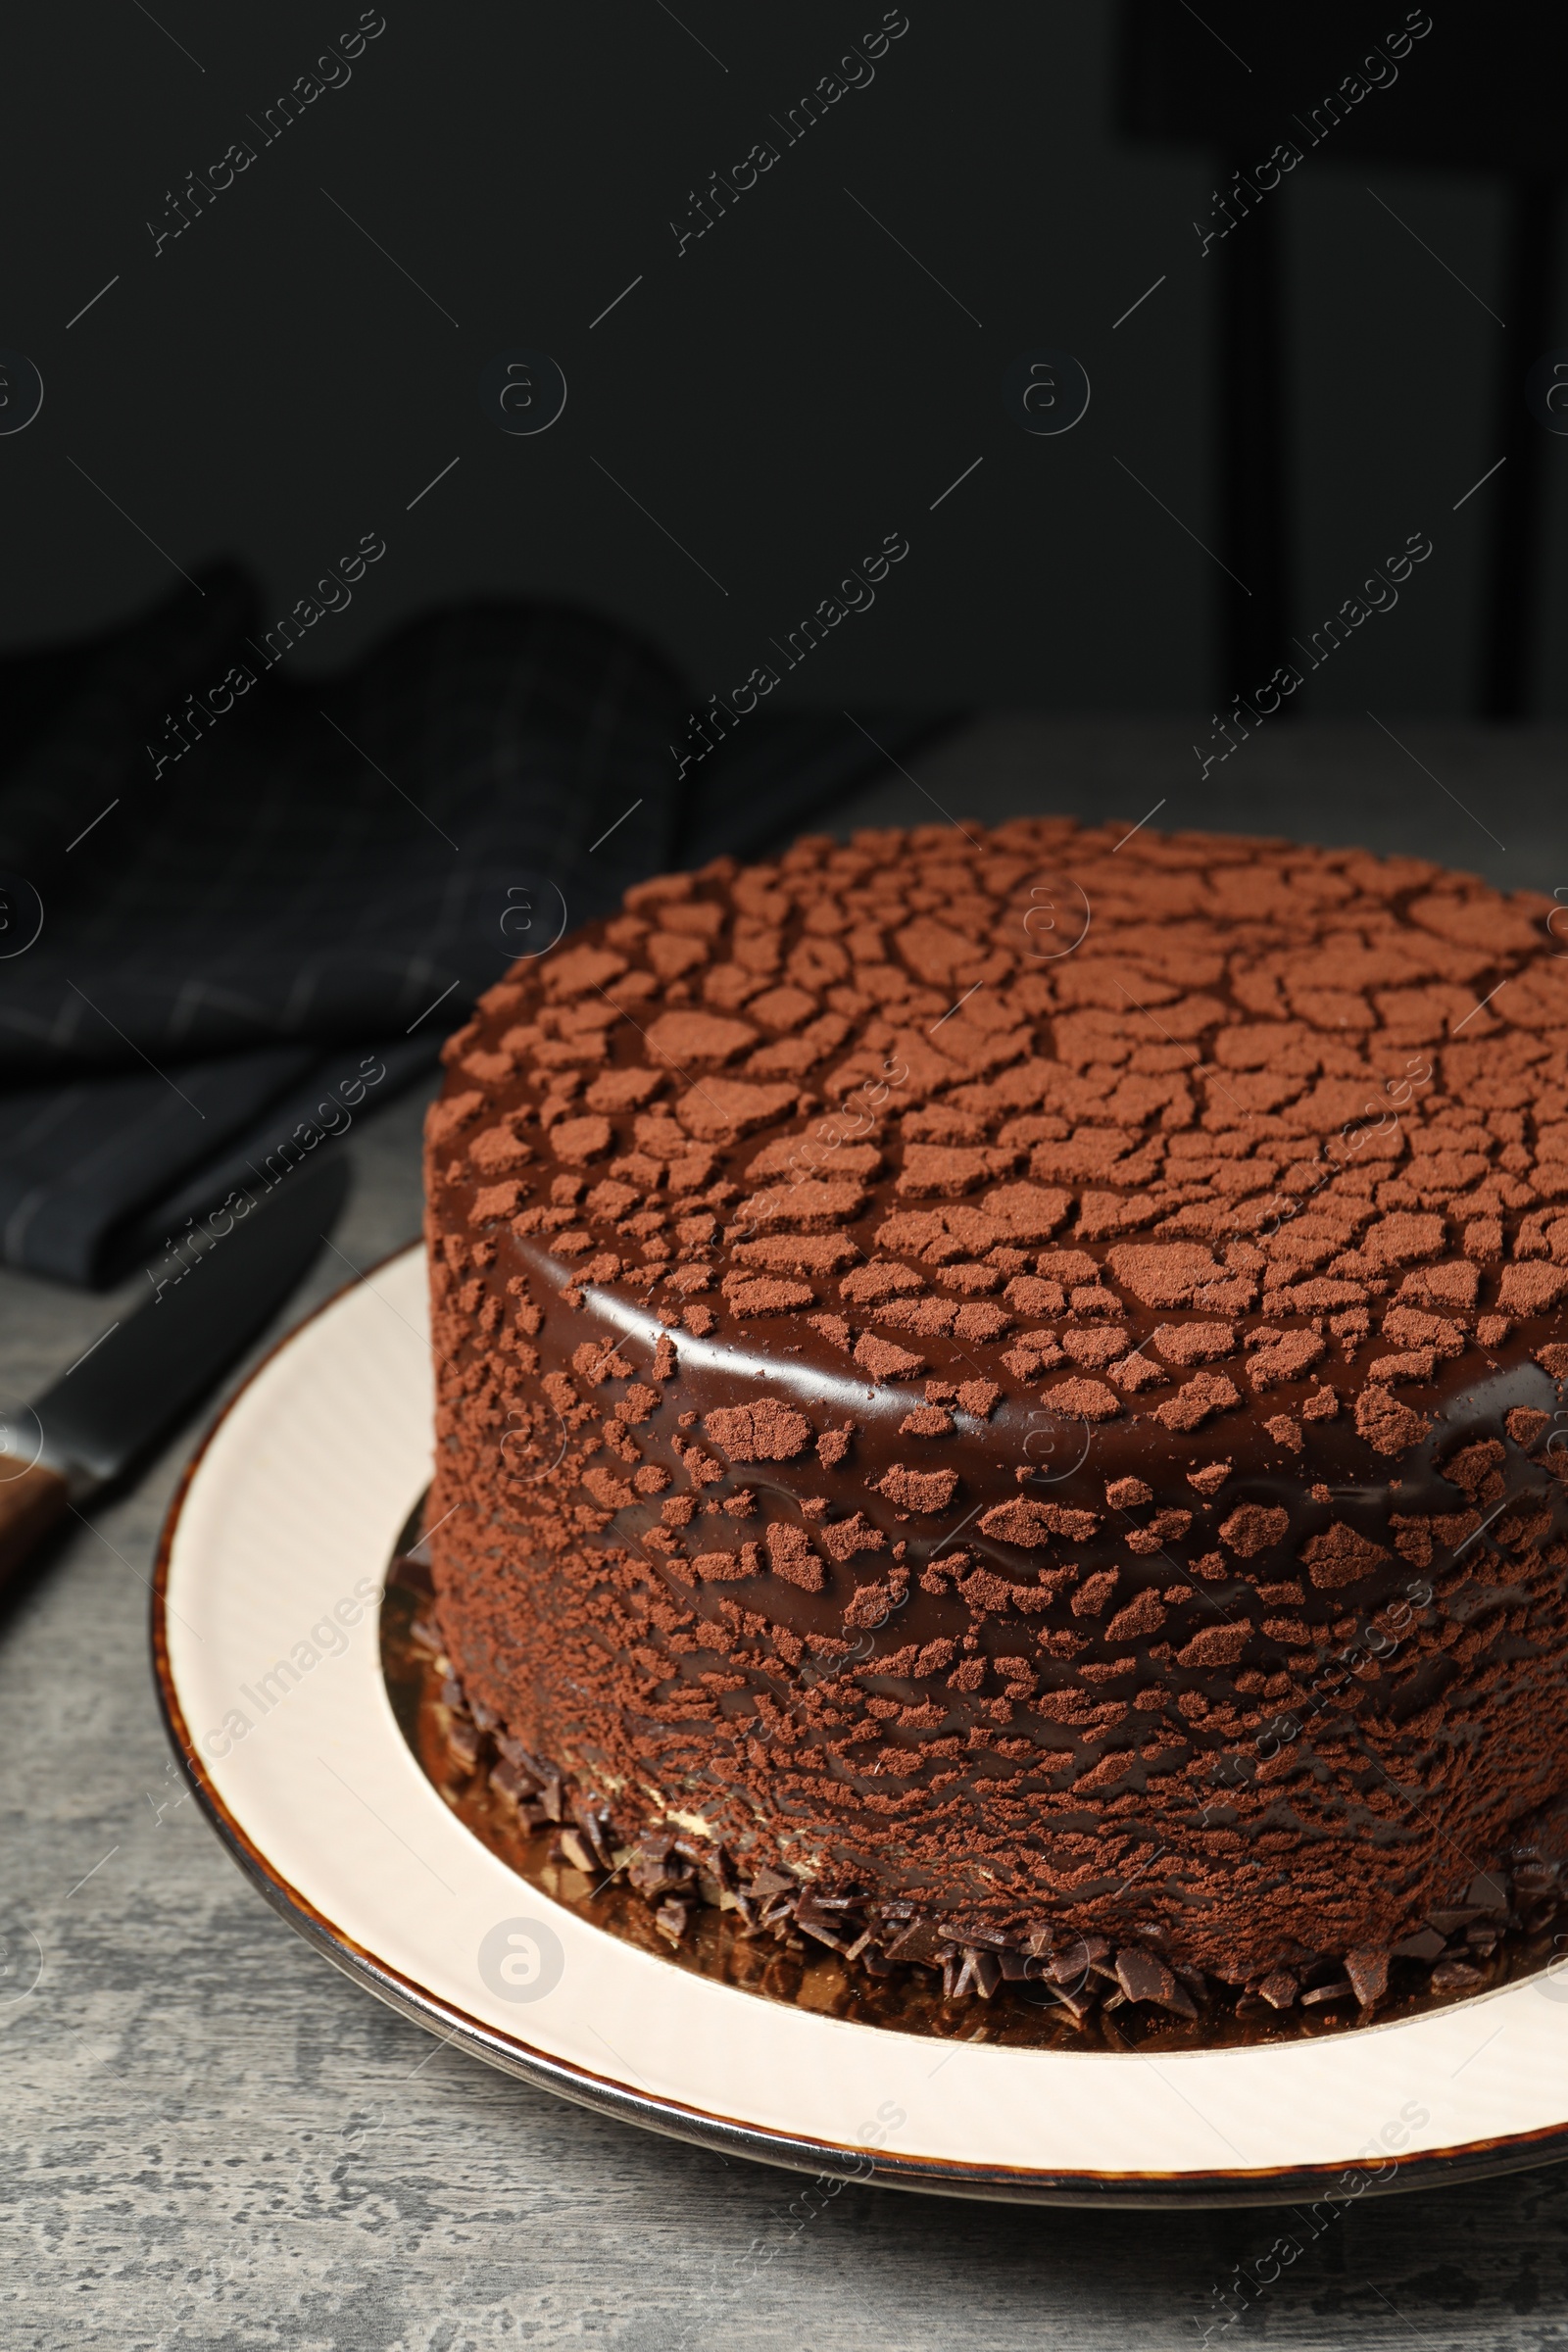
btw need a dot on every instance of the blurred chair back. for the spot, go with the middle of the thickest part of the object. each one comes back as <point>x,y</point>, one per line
<point>1477,91</point>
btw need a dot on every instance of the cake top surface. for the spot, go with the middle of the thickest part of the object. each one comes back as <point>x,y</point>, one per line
<point>1136,1127</point>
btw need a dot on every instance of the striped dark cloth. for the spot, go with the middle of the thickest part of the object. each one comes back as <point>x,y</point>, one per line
<point>261,900</point>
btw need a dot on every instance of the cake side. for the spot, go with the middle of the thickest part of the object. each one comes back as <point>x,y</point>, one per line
<point>930,1441</point>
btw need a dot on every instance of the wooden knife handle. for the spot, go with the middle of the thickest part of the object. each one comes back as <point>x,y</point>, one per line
<point>32,1499</point>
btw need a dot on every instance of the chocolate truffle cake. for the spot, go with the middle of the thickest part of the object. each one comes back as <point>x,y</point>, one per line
<point>998,1397</point>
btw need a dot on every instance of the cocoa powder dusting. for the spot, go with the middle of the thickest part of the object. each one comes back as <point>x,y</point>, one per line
<point>1042,1446</point>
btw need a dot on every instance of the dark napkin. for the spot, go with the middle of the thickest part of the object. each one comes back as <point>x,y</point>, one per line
<point>263,904</point>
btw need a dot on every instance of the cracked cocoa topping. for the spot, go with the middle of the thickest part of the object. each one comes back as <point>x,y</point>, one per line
<point>998,1399</point>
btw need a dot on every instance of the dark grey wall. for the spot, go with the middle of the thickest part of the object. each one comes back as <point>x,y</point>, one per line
<point>789,389</point>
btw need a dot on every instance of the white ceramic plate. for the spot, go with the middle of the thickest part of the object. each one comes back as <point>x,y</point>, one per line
<point>266,1647</point>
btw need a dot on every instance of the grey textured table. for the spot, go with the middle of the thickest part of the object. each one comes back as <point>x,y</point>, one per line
<point>211,2138</point>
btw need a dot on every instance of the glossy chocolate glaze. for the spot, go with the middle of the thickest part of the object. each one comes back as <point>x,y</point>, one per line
<point>1041,2003</point>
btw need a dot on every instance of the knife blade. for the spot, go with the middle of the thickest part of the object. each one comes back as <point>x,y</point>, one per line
<point>146,1371</point>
